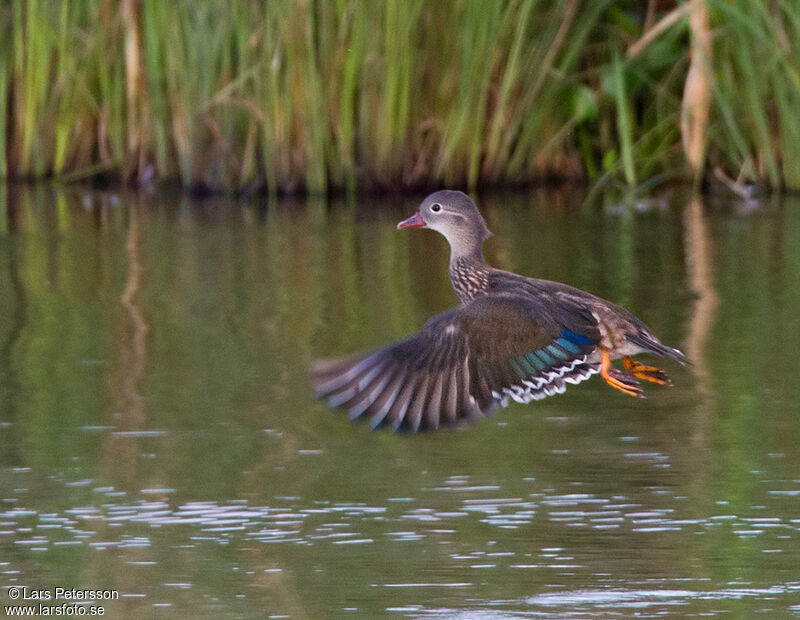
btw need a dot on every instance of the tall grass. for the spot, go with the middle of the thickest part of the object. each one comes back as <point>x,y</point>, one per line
<point>235,95</point>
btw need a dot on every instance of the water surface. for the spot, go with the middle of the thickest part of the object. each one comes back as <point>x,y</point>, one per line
<point>158,435</point>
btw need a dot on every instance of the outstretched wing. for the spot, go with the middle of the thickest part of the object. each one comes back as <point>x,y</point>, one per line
<point>464,363</point>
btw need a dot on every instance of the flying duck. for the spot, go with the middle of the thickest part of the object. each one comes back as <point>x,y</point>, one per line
<point>511,337</point>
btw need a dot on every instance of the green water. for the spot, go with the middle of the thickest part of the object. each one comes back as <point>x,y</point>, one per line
<point>158,436</point>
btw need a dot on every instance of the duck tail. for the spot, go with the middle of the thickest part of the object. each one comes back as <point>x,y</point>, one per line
<point>650,344</point>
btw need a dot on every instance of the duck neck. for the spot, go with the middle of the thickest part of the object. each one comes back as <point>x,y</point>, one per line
<point>469,274</point>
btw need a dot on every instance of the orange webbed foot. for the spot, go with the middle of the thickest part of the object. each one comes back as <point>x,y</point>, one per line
<point>617,380</point>
<point>646,373</point>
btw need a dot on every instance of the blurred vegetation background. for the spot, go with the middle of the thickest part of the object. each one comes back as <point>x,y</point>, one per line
<point>290,95</point>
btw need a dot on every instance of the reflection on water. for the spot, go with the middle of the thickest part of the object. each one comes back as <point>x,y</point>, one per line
<point>157,434</point>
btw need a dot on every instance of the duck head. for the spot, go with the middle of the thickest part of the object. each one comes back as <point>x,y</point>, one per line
<point>454,215</point>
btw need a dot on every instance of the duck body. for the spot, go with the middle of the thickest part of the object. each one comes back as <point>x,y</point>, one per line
<point>511,338</point>
<point>621,333</point>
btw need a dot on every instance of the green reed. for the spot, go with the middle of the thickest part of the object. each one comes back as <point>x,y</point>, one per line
<point>234,95</point>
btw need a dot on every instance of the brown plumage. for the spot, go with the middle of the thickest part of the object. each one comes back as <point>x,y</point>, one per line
<point>512,337</point>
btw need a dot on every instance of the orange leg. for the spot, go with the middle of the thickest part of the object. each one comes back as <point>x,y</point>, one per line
<point>646,373</point>
<point>616,379</point>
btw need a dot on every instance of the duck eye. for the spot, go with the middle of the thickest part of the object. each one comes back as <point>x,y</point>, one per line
<point>436,207</point>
